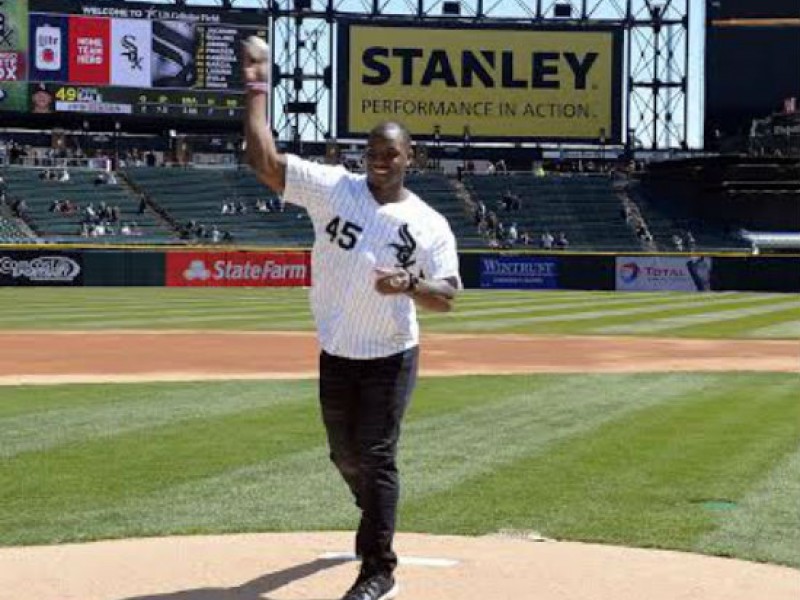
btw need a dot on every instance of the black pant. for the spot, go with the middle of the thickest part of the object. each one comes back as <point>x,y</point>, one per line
<point>363,402</point>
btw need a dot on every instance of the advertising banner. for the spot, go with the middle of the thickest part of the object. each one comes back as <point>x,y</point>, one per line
<point>40,268</point>
<point>49,48</point>
<point>131,40</point>
<point>13,55</point>
<point>518,272</point>
<point>174,54</point>
<point>251,269</point>
<point>485,82</point>
<point>89,50</point>
<point>663,273</point>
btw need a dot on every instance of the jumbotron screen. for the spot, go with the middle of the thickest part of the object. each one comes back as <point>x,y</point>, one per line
<point>117,58</point>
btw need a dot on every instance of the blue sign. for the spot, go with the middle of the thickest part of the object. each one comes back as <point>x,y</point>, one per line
<point>49,60</point>
<point>519,272</point>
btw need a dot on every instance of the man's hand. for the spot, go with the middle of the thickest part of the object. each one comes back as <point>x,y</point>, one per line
<point>255,53</point>
<point>392,281</point>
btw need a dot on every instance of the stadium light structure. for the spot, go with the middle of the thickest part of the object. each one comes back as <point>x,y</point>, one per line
<point>656,47</point>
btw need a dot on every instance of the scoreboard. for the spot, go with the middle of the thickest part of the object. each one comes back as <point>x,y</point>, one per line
<point>116,58</point>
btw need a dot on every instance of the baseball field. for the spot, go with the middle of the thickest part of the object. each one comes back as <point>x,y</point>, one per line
<point>659,421</point>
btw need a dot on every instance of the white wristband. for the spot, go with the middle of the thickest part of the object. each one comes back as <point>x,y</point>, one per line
<point>257,86</point>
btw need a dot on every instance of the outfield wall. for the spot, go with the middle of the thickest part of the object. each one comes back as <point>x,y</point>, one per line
<point>201,267</point>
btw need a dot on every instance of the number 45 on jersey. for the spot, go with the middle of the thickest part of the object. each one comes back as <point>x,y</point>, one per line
<point>343,233</point>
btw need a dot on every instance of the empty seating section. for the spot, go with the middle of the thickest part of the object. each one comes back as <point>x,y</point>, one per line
<point>39,195</point>
<point>716,197</point>
<point>585,208</point>
<point>437,190</point>
<point>11,232</point>
<point>197,194</point>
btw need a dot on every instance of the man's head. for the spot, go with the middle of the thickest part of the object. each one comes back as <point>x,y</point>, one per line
<point>387,156</point>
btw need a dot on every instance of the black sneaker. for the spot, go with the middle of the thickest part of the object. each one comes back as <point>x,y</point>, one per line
<point>377,587</point>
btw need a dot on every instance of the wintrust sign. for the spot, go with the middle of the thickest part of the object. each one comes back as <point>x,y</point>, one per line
<point>257,269</point>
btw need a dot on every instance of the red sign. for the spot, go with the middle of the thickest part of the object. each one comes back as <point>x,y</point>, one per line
<point>89,50</point>
<point>251,269</point>
<point>12,66</point>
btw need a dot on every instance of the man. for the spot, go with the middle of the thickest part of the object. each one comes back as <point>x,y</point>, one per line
<point>379,250</point>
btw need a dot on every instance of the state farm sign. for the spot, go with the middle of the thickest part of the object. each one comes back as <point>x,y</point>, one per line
<point>256,269</point>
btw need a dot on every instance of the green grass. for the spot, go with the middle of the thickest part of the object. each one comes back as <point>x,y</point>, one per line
<point>623,459</point>
<point>717,315</point>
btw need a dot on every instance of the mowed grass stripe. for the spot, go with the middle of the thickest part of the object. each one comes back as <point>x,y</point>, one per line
<point>765,523</point>
<point>641,479</point>
<point>278,309</point>
<point>740,327</point>
<point>784,329</point>
<point>221,320</point>
<point>437,452</point>
<point>36,487</point>
<point>182,307</point>
<point>634,313</point>
<point>701,318</point>
<point>37,426</point>
<point>560,306</point>
<point>85,488</point>
<point>445,443</point>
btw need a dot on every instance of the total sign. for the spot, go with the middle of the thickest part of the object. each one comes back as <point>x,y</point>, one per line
<point>253,269</point>
<point>663,273</point>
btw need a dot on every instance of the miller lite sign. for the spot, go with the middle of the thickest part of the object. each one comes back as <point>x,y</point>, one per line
<point>48,48</point>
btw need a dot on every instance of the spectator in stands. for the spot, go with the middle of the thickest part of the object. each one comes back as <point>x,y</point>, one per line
<point>500,167</point>
<point>241,209</point>
<point>491,221</point>
<point>546,241</point>
<point>511,201</point>
<point>225,209</point>
<point>561,243</point>
<point>480,212</point>
<point>261,206</point>
<point>512,235</point>
<point>215,235</point>
<point>64,176</point>
<point>20,208</point>
<point>500,232</point>
<point>142,204</point>
<point>677,242</point>
<point>691,243</point>
<point>490,168</point>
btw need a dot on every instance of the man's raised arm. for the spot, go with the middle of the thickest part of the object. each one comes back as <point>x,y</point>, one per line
<point>268,164</point>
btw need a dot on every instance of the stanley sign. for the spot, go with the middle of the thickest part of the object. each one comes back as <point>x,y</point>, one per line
<point>501,83</point>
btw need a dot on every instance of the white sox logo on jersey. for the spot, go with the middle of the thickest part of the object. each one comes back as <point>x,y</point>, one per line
<point>404,252</point>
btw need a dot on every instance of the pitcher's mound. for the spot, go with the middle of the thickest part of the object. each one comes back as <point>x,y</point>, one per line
<point>309,566</point>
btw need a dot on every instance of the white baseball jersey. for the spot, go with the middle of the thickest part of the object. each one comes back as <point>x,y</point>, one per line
<point>354,235</point>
